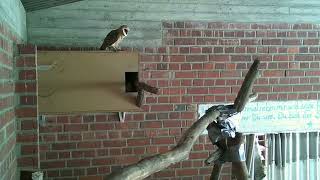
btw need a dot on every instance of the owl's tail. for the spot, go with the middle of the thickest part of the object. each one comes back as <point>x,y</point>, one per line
<point>103,46</point>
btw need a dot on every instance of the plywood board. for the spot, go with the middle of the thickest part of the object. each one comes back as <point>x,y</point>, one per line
<point>85,81</point>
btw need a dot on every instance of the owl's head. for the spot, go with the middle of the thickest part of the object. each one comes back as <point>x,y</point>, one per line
<point>125,29</point>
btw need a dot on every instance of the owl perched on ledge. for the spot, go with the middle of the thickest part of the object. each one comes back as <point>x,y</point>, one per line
<point>114,37</point>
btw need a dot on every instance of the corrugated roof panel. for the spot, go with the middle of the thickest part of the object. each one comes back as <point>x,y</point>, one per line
<point>33,5</point>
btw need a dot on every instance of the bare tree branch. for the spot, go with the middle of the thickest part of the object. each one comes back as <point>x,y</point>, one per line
<point>148,166</point>
<point>246,88</point>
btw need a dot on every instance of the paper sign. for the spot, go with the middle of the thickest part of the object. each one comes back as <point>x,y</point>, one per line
<point>277,116</point>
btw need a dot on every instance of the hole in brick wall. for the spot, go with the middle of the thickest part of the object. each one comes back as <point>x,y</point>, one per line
<point>131,79</point>
<point>26,175</point>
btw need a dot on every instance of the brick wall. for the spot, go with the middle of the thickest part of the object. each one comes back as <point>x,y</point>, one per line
<point>200,62</point>
<point>8,158</point>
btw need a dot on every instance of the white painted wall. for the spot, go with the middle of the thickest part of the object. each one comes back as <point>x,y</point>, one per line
<point>12,13</point>
<point>86,23</point>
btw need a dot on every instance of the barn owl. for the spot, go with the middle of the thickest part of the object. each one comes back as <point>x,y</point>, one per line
<point>114,37</point>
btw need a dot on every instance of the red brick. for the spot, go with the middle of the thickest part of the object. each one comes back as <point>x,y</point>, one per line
<point>149,58</point>
<point>173,91</point>
<point>127,125</point>
<point>87,145</point>
<point>78,163</point>
<point>304,58</point>
<point>27,75</point>
<point>167,24</point>
<point>185,75</point>
<point>26,112</point>
<point>151,124</point>
<point>218,82</point>
<point>271,41</point>
<point>243,49</point>
<point>197,91</point>
<point>197,66</point>
<point>188,115</point>
<point>26,49</point>
<point>177,58</point>
<point>171,123</point>
<point>51,155</point>
<point>198,155</point>
<point>138,142</point>
<point>114,134</point>
<point>221,58</point>
<point>295,73</point>
<point>63,146</point>
<point>197,58</point>
<point>273,73</point>
<point>128,160</point>
<point>282,89</point>
<point>114,143</point>
<point>53,164</point>
<point>6,102</point>
<point>292,42</point>
<point>198,82</point>
<point>230,42</point>
<point>185,66</point>
<point>184,41</point>
<point>207,33</point>
<point>217,25</point>
<point>101,126</point>
<point>229,34</point>
<point>302,88</point>
<point>230,74</point>
<point>25,138</point>
<point>197,99</point>
<point>240,58</point>
<point>27,61</point>
<point>28,100</point>
<point>302,26</point>
<point>161,108</point>
<point>156,75</point>
<point>53,173</point>
<point>25,87</point>
<point>75,127</point>
<point>281,58</point>
<point>184,50</point>
<point>282,34</point>
<point>195,50</point>
<point>163,140</point>
<point>311,42</point>
<point>218,50</point>
<point>206,49</point>
<point>29,149</point>
<point>219,90</point>
<point>208,74</point>
<point>312,73</point>
<point>262,88</point>
<point>179,24</point>
<point>48,138</point>
<point>173,50</point>
<point>206,41</point>
<point>165,173</point>
<point>315,64</point>
<point>186,172</point>
<point>220,98</point>
<point>220,66</point>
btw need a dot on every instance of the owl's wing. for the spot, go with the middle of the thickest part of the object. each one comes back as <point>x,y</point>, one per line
<point>110,39</point>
